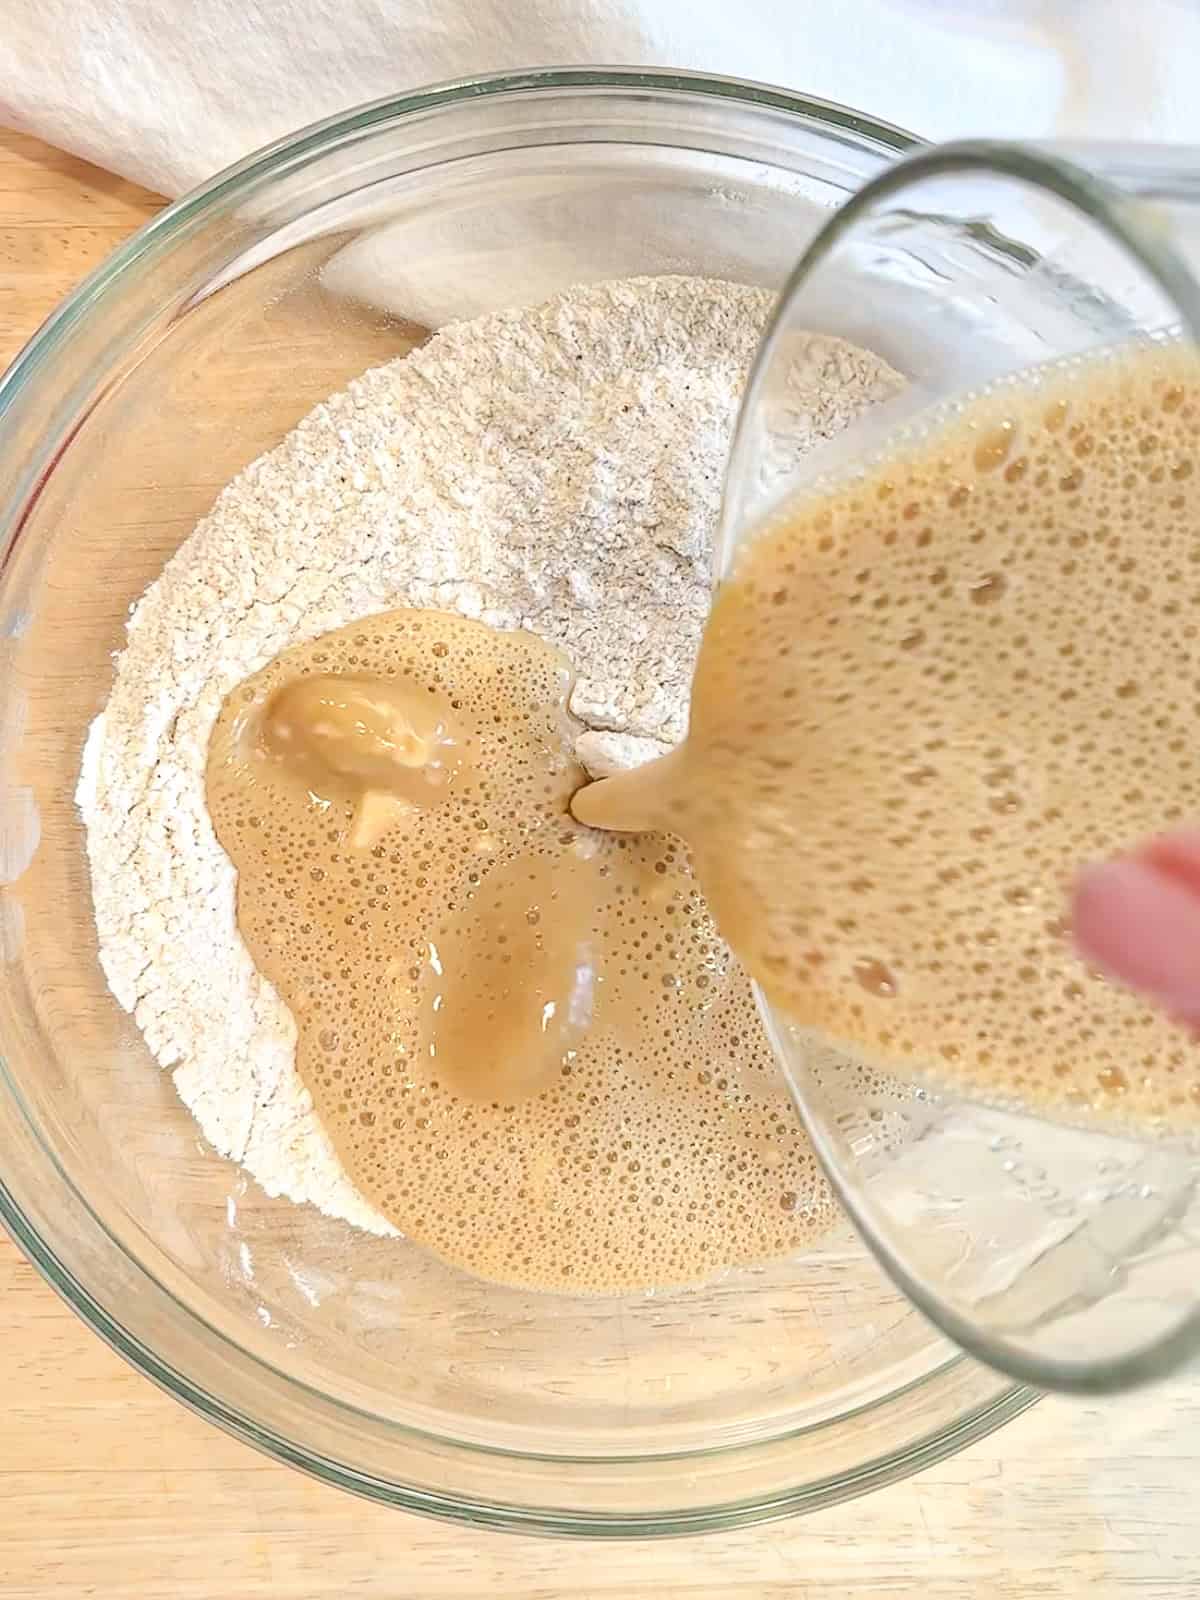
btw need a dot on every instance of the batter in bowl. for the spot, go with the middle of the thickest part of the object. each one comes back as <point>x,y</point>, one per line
<point>530,1046</point>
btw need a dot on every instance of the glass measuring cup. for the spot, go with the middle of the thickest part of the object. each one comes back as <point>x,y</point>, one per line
<point>1068,1257</point>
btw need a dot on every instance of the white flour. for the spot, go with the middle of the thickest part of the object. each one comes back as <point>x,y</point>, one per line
<point>558,469</point>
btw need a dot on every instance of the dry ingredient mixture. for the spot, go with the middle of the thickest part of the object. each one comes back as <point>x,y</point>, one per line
<point>556,469</point>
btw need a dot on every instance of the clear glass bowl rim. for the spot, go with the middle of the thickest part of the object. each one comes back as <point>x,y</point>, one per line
<point>228,188</point>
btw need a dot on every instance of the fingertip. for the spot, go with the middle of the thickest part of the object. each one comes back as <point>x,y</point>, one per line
<point>1177,854</point>
<point>1140,925</point>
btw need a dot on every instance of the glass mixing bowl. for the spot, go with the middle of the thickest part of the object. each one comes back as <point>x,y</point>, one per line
<point>366,1361</point>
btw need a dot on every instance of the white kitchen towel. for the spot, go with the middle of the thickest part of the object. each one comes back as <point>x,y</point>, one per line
<point>169,91</point>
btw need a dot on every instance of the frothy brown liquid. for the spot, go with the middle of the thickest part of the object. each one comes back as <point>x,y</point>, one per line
<point>922,701</point>
<point>526,1040</point>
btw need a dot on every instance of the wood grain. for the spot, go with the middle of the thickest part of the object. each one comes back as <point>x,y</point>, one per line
<point>109,1488</point>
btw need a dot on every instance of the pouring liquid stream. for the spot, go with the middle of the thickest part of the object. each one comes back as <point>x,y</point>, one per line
<point>924,697</point>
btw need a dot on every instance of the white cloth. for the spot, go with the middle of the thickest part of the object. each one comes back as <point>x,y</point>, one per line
<point>169,91</point>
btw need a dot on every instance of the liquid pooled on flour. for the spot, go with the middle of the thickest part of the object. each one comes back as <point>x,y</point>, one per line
<point>924,698</point>
<point>527,1041</point>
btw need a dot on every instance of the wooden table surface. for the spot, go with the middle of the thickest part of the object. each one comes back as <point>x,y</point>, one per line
<point>108,1488</point>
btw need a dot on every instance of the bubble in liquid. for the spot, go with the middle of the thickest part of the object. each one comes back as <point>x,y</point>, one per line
<point>987,590</point>
<point>875,978</point>
<point>994,447</point>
